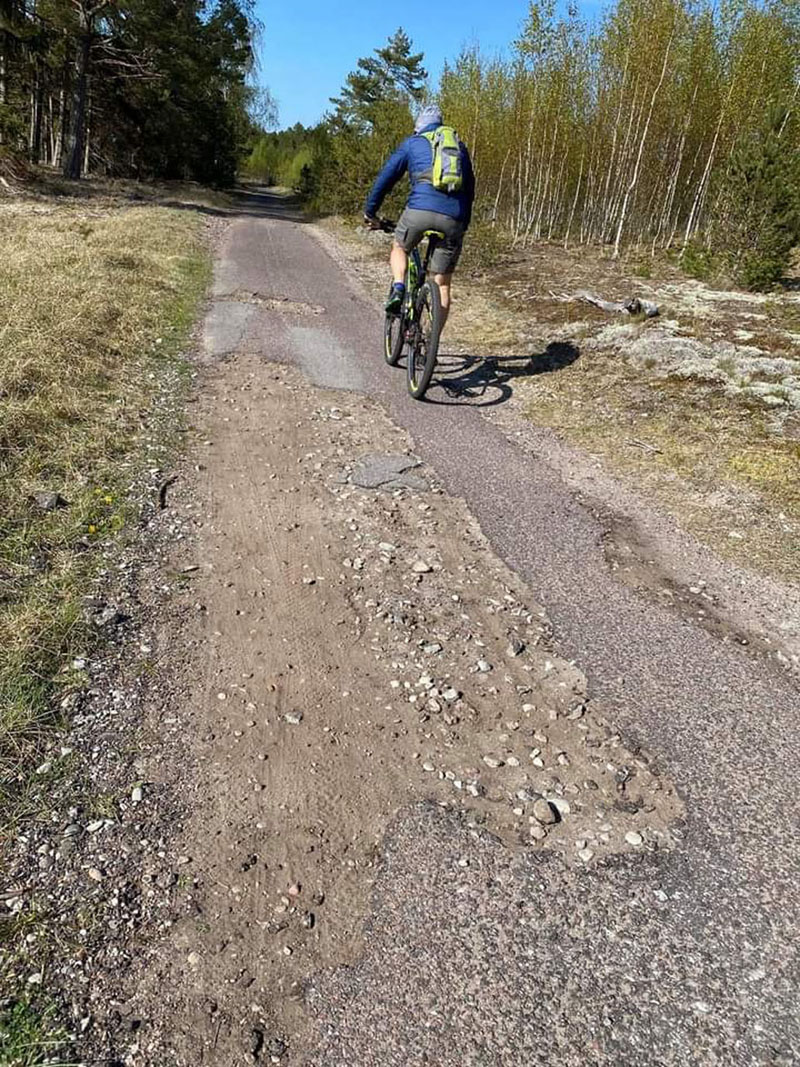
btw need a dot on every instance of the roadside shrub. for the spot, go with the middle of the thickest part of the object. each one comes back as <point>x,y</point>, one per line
<point>761,194</point>
<point>698,261</point>
<point>485,245</point>
<point>642,268</point>
<point>761,270</point>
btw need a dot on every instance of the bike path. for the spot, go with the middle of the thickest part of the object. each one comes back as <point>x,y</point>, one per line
<point>685,958</point>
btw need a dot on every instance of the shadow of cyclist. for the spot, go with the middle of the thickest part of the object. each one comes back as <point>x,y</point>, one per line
<point>485,381</point>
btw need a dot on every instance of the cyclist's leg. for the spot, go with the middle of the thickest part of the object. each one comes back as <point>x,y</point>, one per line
<point>444,282</point>
<point>404,241</point>
<point>445,260</point>
<point>411,227</point>
<point>398,260</point>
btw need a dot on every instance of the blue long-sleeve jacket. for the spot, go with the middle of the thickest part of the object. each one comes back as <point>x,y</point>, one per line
<point>415,156</point>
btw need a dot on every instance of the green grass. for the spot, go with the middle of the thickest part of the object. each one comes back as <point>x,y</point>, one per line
<point>30,1037</point>
<point>97,303</point>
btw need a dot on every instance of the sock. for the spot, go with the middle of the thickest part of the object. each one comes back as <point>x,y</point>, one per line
<point>399,286</point>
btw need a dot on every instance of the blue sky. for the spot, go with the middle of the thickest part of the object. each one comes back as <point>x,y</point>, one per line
<point>309,49</point>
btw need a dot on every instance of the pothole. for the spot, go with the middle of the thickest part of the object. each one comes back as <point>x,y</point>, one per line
<point>281,304</point>
<point>385,471</point>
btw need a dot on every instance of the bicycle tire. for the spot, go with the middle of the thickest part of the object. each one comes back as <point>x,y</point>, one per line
<point>425,346</point>
<point>394,330</point>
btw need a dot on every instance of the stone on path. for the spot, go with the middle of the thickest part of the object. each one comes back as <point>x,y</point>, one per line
<point>543,811</point>
<point>387,471</point>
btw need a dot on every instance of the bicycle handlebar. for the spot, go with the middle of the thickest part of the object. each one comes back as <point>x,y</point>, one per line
<point>383,224</point>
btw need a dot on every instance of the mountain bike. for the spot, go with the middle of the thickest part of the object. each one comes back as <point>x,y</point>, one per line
<point>418,325</point>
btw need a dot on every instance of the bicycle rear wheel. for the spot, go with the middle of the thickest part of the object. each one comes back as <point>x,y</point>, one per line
<point>425,345</point>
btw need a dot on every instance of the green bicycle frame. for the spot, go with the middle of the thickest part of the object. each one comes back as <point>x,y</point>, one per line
<point>414,281</point>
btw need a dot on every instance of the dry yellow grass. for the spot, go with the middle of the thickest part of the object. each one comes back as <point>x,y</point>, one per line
<point>97,298</point>
<point>706,458</point>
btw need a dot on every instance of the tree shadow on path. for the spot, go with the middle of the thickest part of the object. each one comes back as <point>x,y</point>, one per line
<point>486,381</point>
<point>249,202</point>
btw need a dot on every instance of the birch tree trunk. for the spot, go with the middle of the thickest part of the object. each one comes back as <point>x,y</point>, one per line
<point>635,178</point>
<point>88,127</point>
<point>500,187</point>
<point>700,193</point>
<point>3,68</point>
<point>58,147</point>
<point>574,206</point>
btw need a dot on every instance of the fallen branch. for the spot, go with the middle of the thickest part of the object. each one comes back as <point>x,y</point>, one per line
<point>643,444</point>
<point>162,490</point>
<point>634,306</point>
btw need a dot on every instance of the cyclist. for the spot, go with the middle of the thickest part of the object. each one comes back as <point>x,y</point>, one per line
<point>427,208</point>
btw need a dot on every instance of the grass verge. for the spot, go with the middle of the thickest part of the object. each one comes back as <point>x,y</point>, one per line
<point>98,301</point>
<point>99,297</point>
<point>31,1038</point>
<point>709,460</point>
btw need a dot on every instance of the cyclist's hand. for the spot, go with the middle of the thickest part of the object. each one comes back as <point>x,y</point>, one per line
<point>371,222</point>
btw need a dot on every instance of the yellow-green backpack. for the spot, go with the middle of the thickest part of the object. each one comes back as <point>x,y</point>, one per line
<point>446,173</point>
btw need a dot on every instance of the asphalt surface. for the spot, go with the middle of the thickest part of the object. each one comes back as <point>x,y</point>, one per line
<point>681,958</point>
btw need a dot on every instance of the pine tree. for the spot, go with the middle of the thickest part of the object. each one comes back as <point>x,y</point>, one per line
<point>762,221</point>
<point>144,87</point>
<point>371,116</point>
<point>394,74</point>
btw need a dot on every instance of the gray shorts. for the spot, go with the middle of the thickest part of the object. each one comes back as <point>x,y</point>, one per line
<point>411,227</point>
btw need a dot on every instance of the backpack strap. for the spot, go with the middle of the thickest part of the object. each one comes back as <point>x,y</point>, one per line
<point>426,175</point>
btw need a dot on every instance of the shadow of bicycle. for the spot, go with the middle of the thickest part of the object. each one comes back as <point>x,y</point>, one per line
<point>485,381</point>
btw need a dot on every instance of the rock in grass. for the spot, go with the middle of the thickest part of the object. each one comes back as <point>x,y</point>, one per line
<point>47,501</point>
<point>108,617</point>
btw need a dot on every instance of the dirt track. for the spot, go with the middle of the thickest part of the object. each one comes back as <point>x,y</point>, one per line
<point>360,652</point>
<point>375,708</point>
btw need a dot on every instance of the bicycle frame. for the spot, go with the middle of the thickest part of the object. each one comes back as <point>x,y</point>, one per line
<point>417,273</point>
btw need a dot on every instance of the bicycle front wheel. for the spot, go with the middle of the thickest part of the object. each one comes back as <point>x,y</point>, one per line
<point>425,346</point>
<point>394,331</point>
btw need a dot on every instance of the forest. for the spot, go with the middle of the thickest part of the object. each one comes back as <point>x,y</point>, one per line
<point>143,88</point>
<point>669,125</point>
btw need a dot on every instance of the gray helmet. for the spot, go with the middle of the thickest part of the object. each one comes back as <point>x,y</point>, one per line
<point>430,115</point>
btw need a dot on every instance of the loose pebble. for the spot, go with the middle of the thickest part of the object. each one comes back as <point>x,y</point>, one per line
<point>543,811</point>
